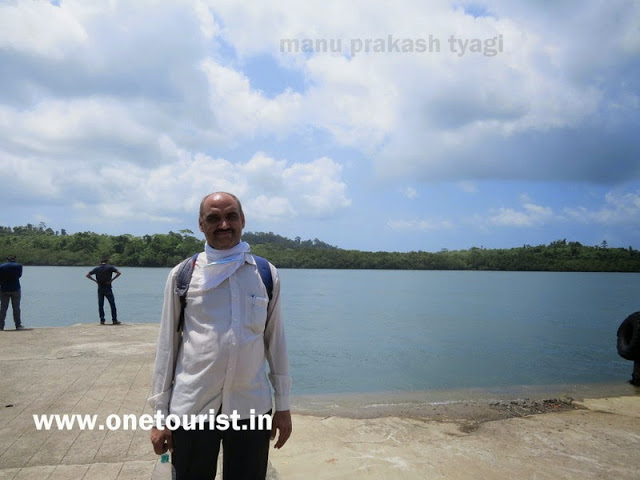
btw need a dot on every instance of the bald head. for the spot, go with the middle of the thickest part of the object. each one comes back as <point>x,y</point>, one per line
<point>221,220</point>
<point>221,193</point>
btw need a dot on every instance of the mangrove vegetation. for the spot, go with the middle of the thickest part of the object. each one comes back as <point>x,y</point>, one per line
<point>41,245</point>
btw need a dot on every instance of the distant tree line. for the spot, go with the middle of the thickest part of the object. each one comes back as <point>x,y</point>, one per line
<point>40,245</point>
<point>557,256</point>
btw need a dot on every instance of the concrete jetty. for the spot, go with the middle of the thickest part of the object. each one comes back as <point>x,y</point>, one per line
<point>103,370</point>
<point>83,369</point>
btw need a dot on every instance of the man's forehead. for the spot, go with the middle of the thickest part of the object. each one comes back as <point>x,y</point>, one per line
<point>221,202</point>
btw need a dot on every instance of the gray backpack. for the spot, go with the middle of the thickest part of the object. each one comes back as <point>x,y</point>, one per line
<point>186,270</point>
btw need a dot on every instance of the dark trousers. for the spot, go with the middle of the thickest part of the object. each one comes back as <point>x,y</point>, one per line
<point>245,453</point>
<point>635,377</point>
<point>106,292</point>
<point>14,298</point>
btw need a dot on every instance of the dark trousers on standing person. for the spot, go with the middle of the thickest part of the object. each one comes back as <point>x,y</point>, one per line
<point>14,298</point>
<point>106,292</point>
<point>245,453</point>
<point>635,377</point>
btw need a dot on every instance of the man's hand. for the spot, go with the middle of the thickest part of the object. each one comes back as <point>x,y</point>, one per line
<point>281,421</point>
<point>162,440</point>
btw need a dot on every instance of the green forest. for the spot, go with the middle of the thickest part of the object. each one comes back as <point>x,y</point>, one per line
<point>41,245</point>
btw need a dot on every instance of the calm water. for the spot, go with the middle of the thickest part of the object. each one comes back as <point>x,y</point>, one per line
<point>375,331</point>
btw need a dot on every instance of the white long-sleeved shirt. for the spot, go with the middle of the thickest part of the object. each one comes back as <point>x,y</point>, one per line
<point>219,358</point>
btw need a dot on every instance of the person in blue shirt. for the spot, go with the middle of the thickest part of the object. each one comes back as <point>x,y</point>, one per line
<point>10,273</point>
<point>103,273</point>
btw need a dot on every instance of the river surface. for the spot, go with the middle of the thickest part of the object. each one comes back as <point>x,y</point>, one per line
<point>358,331</point>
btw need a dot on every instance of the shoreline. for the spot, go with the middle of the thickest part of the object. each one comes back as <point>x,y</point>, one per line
<point>591,439</point>
<point>462,403</point>
<point>489,402</point>
<point>467,414</point>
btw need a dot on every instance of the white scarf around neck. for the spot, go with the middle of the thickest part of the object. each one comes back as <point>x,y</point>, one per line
<point>221,264</point>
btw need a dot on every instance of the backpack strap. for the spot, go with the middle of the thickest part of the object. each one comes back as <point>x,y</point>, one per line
<point>185,271</point>
<point>183,279</point>
<point>265,273</point>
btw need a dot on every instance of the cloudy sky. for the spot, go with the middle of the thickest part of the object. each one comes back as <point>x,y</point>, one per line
<point>369,124</point>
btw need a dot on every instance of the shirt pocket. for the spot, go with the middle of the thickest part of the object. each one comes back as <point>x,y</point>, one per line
<point>257,313</point>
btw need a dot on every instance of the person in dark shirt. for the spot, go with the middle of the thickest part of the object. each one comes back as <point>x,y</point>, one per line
<point>103,273</point>
<point>10,273</point>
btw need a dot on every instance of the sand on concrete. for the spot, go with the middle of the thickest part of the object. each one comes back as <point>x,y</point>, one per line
<point>89,369</point>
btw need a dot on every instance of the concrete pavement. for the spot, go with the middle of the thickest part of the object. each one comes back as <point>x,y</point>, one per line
<point>102,370</point>
<point>83,369</point>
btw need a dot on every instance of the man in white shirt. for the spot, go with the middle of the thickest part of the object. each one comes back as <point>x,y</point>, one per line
<point>216,365</point>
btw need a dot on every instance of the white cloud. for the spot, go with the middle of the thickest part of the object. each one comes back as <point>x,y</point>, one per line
<point>619,209</point>
<point>531,215</point>
<point>439,115</point>
<point>269,208</point>
<point>352,99</point>
<point>528,215</point>
<point>88,128</point>
<point>134,110</point>
<point>269,189</point>
<point>40,28</point>
<point>410,192</point>
<point>208,24</point>
<point>420,225</point>
<point>265,173</point>
<point>317,187</point>
<point>430,116</point>
<point>241,111</point>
